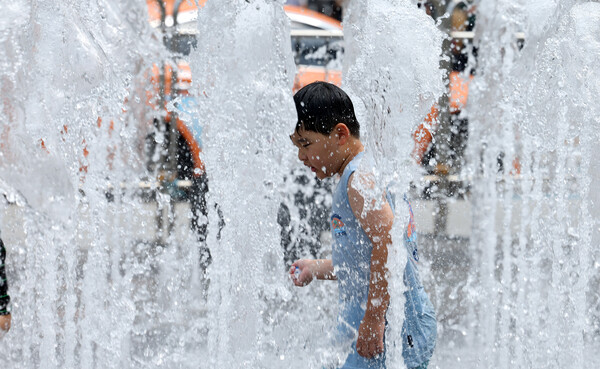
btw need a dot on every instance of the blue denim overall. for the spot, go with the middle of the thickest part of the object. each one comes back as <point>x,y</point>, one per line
<point>351,258</point>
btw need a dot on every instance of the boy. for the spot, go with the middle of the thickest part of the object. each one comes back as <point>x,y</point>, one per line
<point>327,136</point>
<point>4,298</point>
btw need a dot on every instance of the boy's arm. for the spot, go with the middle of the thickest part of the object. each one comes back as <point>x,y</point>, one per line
<point>377,224</point>
<point>4,323</point>
<point>309,269</point>
<point>323,269</point>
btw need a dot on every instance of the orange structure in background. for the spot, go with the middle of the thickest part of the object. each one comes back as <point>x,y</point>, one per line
<point>422,136</point>
<point>307,74</point>
<point>154,11</point>
<point>459,91</point>
<point>457,99</point>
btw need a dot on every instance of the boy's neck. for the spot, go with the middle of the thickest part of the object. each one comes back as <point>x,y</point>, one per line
<point>354,148</point>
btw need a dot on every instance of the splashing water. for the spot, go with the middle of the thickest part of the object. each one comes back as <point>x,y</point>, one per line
<point>246,81</point>
<point>395,96</point>
<point>535,111</point>
<point>397,85</point>
<point>68,71</point>
<point>94,282</point>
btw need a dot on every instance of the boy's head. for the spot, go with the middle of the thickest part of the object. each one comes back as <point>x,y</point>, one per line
<point>321,106</point>
<point>327,134</point>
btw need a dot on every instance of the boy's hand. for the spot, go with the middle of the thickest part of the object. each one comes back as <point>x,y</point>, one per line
<point>306,274</point>
<point>370,337</point>
<point>4,323</point>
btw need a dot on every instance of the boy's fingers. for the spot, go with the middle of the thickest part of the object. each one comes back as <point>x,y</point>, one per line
<point>362,347</point>
<point>297,279</point>
<point>369,348</point>
<point>376,349</point>
<point>372,349</point>
<point>359,347</point>
<point>301,282</point>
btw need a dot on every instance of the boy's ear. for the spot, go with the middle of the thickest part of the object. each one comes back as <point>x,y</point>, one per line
<point>342,132</point>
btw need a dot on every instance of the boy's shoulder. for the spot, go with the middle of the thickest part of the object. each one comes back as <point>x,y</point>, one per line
<point>361,182</point>
<point>362,179</point>
<point>365,196</point>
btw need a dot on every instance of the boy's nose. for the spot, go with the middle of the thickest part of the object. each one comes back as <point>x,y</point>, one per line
<point>302,156</point>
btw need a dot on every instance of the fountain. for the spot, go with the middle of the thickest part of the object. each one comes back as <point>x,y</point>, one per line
<point>77,289</point>
<point>534,109</point>
<point>394,96</point>
<point>245,82</point>
<point>98,280</point>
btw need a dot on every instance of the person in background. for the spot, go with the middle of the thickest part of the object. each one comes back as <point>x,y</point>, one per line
<point>428,5</point>
<point>5,316</point>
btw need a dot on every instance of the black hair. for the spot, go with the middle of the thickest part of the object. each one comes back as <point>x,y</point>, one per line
<point>321,106</point>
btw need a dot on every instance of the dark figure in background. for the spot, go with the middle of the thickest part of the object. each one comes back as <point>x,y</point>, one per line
<point>301,237</point>
<point>197,197</point>
<point>429,7</point>
<point>5,316</point>
<point>462,19</point>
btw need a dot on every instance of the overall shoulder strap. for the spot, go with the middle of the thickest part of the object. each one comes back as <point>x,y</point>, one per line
<point>350,168</point>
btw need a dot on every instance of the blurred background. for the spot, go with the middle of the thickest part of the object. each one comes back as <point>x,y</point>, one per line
<point>108,195</point>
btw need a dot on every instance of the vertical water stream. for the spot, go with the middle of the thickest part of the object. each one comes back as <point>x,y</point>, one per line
<point>244,72</point>
<point>534,127</point>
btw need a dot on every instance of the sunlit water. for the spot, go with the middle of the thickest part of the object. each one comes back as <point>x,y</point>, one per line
<point>95,284</point>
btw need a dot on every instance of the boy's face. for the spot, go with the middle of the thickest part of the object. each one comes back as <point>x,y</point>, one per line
<point>317,151</point>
